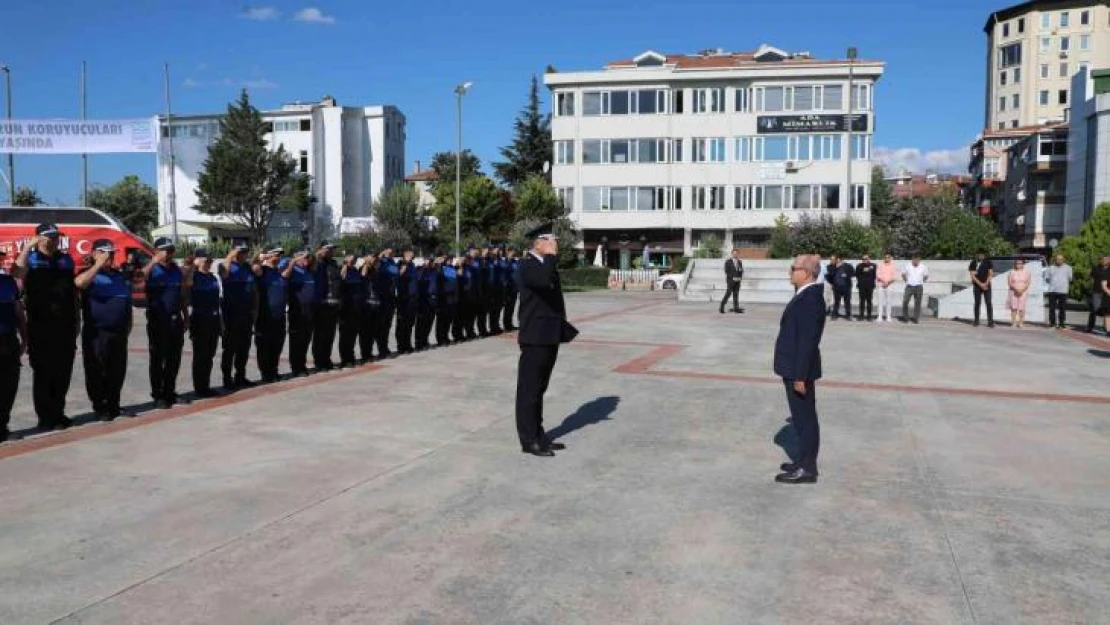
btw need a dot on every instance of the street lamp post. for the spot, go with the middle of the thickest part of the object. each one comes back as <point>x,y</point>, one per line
<point>11,157</point>
<point>848,121</point>
<point>460,91</point>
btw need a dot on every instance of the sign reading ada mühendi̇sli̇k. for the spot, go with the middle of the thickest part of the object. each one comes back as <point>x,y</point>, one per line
<point>770,124</point>
<point>67,136</point>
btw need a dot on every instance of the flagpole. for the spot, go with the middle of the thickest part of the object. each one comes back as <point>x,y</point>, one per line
<point>173,165</point>
<point>84,156</point>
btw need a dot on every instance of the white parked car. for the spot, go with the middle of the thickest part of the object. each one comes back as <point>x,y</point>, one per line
<point>670,281</point>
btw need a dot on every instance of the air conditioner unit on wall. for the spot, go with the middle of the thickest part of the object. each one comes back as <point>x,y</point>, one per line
<point>791,166</point>
<point>1063,54</point>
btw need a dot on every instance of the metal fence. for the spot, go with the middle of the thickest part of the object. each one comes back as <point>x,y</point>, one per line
<point>633,276</point>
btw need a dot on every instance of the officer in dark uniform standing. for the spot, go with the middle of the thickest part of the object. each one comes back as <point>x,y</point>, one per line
<point>13,342</point>
<point>385,284</point>
<point>426,281</point>
<point>329,284</point>
<point>352,301</point>
<point>272,274</point>
<point>469,300</point>
<point>406,301</point>
<point>543,327</point>
<point>202,300</point>
<point>496,294</point>
<point>108,320</point>
<point>165,323</point>
<point>52,322</point>
<point>302,305</point>
<point>462,287</point>
<point>368,332</point>
<point>239,308</point>
<point>447,302</point>
<point>512,265</point>
<point>482,292</point>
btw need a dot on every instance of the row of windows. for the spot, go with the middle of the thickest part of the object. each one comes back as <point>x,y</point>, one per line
<point>802,98</point>
<point>714,197</point>
<point>1010,55</point>
<point>293,125</point>
<point>1043,99</point>
<point>712,149</point>
<point>1063,19</point>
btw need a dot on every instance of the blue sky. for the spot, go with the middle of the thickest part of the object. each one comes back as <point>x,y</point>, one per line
<point>929,103</point>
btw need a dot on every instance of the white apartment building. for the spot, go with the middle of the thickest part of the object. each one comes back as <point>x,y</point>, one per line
<point>1033,50</point>
<point>351,153</point>
<point>1088,149</point>
<point>662,150</point>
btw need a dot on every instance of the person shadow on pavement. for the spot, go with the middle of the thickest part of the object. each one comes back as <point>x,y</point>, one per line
<point>787,439</point>
<point>590,413</point>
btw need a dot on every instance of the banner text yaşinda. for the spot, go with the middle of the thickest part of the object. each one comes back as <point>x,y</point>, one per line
<point>67,136</point>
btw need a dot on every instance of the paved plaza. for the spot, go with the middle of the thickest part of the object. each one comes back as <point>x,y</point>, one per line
<point>964,479</point>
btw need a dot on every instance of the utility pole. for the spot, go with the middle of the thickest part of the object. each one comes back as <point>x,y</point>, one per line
<point>173,164</point>
<point>84,156</point>
<point>11,157</point>
<point>848,122</point>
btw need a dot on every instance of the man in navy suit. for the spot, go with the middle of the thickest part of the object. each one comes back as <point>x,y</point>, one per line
<point>798,363</point>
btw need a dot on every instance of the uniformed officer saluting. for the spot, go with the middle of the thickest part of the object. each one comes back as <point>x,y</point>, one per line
<point>302,304</point>
<point>407,288</point>
<point>512,265</point>
<point>239,306</point>
<point>13,342</point>
<point>543,326</point>
<point>385,285</point>
<point>329,284</point>
<point>202,298</point>
<point>368,332</point>
<point>107,304</point>
<point>165,323</point>
<point>352,300</point>
<point>447,310</point>
<point>52,322</point>
<point>272,272</point>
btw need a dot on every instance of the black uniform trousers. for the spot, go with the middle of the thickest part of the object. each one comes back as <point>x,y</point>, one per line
<point>1057,308</point>
<point>481,312</point>
<point>532,378</point>
<point>205,333</point>
<point>468,306</point>
<point>301,328</point>
<point>733,291</point>
<point>9,377</point>
<point>980,296</point>
<point>384,323</point>
<point>166,337</point>
<point>425,320</point>
<point>104,354</point>
<point>458,320</point>
<point>237,332</point>
<point>51,349</point>
<point>445,321</point>
<point>368,331</point>
<point>406,323</point>
<point>803,416</point>
<point>866,301</point>
<point>268,344</point>
<point>350,324</point>
<point>327,317</point>
<point>509,310</point>
<point>842,295</point>
<point>496,302</point>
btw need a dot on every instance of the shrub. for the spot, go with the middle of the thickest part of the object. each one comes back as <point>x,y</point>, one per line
<point>780,239</point>
<point>681,263</point>
<point>1082,251</point>
<point>585,277</point>
<point>961,234</point>
<point>711,246</point>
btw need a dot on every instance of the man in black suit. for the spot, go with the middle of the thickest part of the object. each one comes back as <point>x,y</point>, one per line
<point>798,363</point>
<point>543,326</point>
<point>734,273</point>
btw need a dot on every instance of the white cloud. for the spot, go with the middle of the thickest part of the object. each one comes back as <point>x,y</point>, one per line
<point>191,84</point>
<point>951,161</point>
<point>313,15</point>
<point>261,14</point>
<point>259,83</point>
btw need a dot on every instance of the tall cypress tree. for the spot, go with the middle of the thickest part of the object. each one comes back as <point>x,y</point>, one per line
<point>531,146</point>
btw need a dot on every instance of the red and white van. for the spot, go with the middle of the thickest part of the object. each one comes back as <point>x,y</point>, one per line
<point>79,228</point>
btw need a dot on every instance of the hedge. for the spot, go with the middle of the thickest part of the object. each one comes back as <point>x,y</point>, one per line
<point>591,277</point>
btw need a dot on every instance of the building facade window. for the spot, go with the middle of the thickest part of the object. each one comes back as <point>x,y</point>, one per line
<point>1065,19</point>
<point>859,196</point>
<point>592,152</point>
<point>1043,97</point>
<point>709,100</point>
<point>765,197</point>
<point>828,195</point>
<point>1046,44</point>
<point>302,161</point>
<point>595,103</point>
<point>1016,102</point>
<point>1084,42</point>
<point>861,97</point>
<point>708,149</point>
<point>1009,55</point>
<point>991,166</point>
<point>1044,70</point>
<point>861,147</point>
<point>1065,44</point>
<point>1085,18</point>
<point>1063,69</point>
<point>1002,78</point>
<point>1021,25</point>
<point>741,197</point>
<point>1002,103</point>
<point>564,152</point>
<point>1046,21</point>
<point>1005,30</point>
<point>1017,75</point>
<point>1062,96</point>
<point>564,104</point>
<point>708,198</point>
<point>742,96</point>
<point>566,197</point>
<point>771,99</point>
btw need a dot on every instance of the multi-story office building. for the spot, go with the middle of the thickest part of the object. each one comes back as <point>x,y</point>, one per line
<point>351,153</point>
<point>1088,148</point>
<point>1033,50</point>
<point>1032,209</point>
<point>662,150</point>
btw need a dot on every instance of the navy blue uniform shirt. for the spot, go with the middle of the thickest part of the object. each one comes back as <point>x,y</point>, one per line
<point>108,300</point>
<point>163,291</point>
<point>204,296</point>
<point>9,297</point>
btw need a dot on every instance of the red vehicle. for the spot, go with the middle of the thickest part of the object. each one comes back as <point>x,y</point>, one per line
<point>79,228</point>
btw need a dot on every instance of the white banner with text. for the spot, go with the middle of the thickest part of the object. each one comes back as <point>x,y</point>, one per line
<point>68,136</point>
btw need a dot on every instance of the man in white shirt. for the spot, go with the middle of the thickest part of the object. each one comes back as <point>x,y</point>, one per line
<point>915,276</point>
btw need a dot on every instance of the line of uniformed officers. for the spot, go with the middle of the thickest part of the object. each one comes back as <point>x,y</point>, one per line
<point>311,296</point>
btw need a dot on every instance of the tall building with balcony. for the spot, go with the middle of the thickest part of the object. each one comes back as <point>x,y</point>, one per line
<point>1033,50</point>
<point>352,154</point>
<point>1032,214</point>
<point>663,150</point>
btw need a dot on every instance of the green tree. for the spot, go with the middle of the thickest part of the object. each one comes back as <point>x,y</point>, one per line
<point>961,234</point>
<point>883,203</point>
<point>26,196</point>
<point>483,209</point>
<point>535,199</point>
<point>814,235</point>
<point>531,146</point>
<point>298,195</point>
<point>397,210</point>
<point>710,246</point>
<point>443,163</point>
<point>129,200</point>
<point>243,179</point>
<point>1082,251</point>
<point>780,238</point>
<point>852,239</point>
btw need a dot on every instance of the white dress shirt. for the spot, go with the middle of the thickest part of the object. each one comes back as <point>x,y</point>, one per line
<point>915,276</point>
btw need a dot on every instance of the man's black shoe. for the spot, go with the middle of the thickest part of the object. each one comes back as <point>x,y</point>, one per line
<point>245,383</point>
<point>162,404</point>
<point>797,476</point>
<point>553,445</point>
<point>722,311</point>
<point>62,423</point>
<point>229,384</point>
<point>205,394</point>
<point>788,467</point>
<point>738,310</point>
<point>990,325</point>
<point>105,416</point>
<point>8,435</point>
<point>536,450</point>
<point>123,412</point>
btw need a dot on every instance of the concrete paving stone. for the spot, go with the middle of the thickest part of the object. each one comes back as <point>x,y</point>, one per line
<point>399,495</point>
